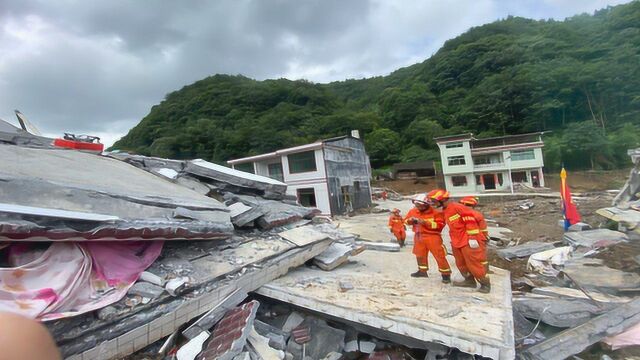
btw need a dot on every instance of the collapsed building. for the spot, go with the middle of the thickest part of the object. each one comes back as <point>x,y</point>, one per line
<point>120,253</point>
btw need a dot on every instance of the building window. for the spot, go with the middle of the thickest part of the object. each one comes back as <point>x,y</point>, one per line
<point>487,159</point>
<point>478,180</point>
<point>453,145</point>
<point>523,155</point>
<point>459,181</point>
<point>302,162</point>
<point>500,179</point>
<point>307,197</point>
<point>519,177</point>
<point>246,167</point>
<point>456,160</point>
<point>356,186</point>
<point>275,171</point>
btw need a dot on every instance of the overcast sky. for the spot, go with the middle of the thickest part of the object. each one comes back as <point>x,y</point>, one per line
<point>97,67</point>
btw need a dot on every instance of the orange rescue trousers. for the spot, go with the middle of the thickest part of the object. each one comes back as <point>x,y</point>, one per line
<point>400,234</point>
<point>472,261</point>
<point>425,243</point>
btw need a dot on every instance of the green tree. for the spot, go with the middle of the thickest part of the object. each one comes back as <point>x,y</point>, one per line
<point>383,146</point>
<point>585,141</point>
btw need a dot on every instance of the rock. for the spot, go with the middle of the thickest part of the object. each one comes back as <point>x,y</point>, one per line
<point>524,250</point>
<point>366,346</point>
<point>292,322</point>
<point>288,356</point>
<point>351,346</point>
<point>242,356</point>
<point>151,278</point>
<point>260,345</point>
<point>146,290</point>
<point>175,286</point>
<point>345,286</point>
<point>580,227</point>
<point>277,338</point>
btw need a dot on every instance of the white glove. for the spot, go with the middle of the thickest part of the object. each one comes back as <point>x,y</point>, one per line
<point>474,244</point>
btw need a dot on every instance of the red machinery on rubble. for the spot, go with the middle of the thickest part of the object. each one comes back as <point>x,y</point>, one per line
<point>79,142</point>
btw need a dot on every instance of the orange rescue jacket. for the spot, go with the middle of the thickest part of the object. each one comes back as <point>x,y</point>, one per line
<point>462,224</point>
<point>433,221</point>
<point>396,223</point>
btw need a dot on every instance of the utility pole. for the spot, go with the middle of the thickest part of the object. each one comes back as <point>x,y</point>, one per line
<point>509,169</point>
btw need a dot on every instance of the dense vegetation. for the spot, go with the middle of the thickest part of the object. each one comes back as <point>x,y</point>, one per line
<point>579,78</point>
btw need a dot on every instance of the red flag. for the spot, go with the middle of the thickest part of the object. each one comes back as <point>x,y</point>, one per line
<point>569,209</point>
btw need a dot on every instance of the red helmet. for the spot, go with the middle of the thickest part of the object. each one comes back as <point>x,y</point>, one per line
<point>438,195</point>
<point>469,201</point>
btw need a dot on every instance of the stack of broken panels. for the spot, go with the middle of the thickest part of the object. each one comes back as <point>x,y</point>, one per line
<point>115,252</point>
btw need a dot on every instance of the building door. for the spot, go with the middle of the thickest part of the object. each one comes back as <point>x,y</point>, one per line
<point>535,180</point>
<point>489,181</point>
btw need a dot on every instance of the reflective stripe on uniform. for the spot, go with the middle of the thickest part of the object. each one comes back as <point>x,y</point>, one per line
<point>445,270</point>
<point>421,267</point>
<point>454,217</point>
<point>484,262</point>
<point>473,232</point>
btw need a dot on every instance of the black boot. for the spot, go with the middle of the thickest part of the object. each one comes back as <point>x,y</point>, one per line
<point>485,285</point>
<point>420,274</point>
<point>469,282</point>
<point>446,278</point>
<point>401,243</point>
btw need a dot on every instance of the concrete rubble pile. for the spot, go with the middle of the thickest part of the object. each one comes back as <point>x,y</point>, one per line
<point>586,290</point>
<point>114,257</point>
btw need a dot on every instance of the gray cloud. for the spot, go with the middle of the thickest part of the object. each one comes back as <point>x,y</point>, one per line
<point>98,66</point>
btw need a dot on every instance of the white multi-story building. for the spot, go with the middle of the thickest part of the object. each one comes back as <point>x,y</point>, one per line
<point>471,165</point>
<point>332,175</point>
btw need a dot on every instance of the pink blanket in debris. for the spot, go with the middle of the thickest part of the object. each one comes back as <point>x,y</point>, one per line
<point>69,279</point>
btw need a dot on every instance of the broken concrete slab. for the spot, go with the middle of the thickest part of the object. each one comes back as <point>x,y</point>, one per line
<point>336,255</point>
<point>243,215</point>
<point>592,239</point>
<point>303,235</point>
<point>593,274</point>
<point>627,219</point>
<point>227,178</point>
<point>143,203</point>
<point>569,293</point>
<point>629,192</point>
<point>556,312</point>
<point>146,289</point>
<point>215,314</point>
<point>277,338</point>
<point>524,250</point>
<point>380,246</point>
<point>230,334</point>
<point>293,321</point>
<point>193,347</point>
<point>575,340</point>
<point>462,318</point>
<point>276,213</point>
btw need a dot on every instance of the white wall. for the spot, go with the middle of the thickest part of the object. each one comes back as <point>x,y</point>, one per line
<point>318,174</point>
<point>454,190</point>
<point>321,191</point>
<point>465,151</point>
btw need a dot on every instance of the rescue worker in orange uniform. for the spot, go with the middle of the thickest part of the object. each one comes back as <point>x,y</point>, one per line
<point>427,225</point>
<point>471,202</point>
<point>466,241</point>
<point>397,226</point>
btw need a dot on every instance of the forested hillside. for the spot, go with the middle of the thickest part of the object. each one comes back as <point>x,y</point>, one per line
<point>578,78</point>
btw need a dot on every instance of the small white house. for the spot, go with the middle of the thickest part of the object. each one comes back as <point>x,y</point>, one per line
<point>471,165</point>
<point>332,175</point>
